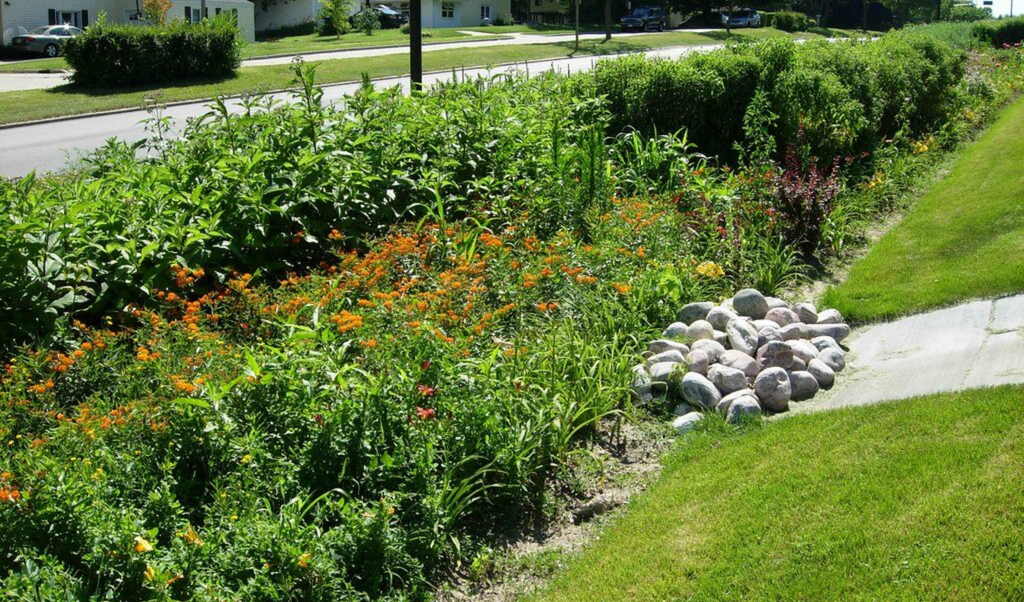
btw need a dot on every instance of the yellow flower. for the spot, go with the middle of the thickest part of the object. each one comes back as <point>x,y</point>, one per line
<point>304,559</point>
<point>150,574</point>
<point>710,269</point>
<point>246,459</point>
<point>234,517</point>
<point>142,546</point>
<point>191,536</point>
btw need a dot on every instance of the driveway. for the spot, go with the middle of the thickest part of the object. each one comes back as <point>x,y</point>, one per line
<point>14,82</point>
<point>54,144</point>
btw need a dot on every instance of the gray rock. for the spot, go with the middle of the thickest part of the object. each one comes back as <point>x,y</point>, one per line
<point>682,409</point>
<point>643,394</point>
<point>803,349</point>
<point>830,316</point>
<point>714,349</point>
<point>804,385</point>
<point>763,324</point>
<point>751,303</point>
<point>796,330</point>
<point>727,380</point>
<point>691,312</point>
<point>723,405</point>
<point>720,316</point>
<point>807,313</point>
<point>699,391</point>
<point>662,345</point>
<point>646,354</point>
<point>667,356</point>
<point>823,342</point>
<point>833,358</point>
<point>742,336</point>
<point>743,407</point>
<point>773,389</point>
<point>797,365</point>
<point>721,338</point>
<point>837,331</point>
<point>675,331</point>
<point>701,329</point>
<point>774,302</point>
<point>766,336</point>
<point>740,361</point>
<point>687,422</point>
<point>775,354</point>
<point>821,373</point>
<point>664,374</point>
<point>698,361</point>
<point>640,375</point>
<point>783,316</point>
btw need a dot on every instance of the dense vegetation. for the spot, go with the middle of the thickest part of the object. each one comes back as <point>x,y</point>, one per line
<point>116,54</point>
<point>321,353</point>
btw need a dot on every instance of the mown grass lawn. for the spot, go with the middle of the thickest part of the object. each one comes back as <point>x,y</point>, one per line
<point>964,239</point>
<point>65,100</point>
<point>918,500</point>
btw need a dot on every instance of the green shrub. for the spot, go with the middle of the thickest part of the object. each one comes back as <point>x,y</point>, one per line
<point>306,27</point>
<point>968,13</point>
<point>1000,33</point>
<point>118,55</point>
<point>366,21</point>
<point>787,21</point>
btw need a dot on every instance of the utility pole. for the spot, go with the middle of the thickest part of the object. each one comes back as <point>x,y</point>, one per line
<point>415,45</point>
<point>202,10</point>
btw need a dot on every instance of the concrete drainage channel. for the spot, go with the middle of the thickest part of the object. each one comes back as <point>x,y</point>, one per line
<point>751,355</point>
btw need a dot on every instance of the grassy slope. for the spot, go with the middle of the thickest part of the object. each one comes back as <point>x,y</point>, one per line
<point>920,500</point>
<point>68,100</point>
<point>964,239</point>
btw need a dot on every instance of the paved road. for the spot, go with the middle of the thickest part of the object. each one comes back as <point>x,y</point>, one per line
<point>977,344</point>
<point>41,81</point>
<point>50,146</point>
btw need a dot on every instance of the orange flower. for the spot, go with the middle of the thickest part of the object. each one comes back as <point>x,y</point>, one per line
<point>621,288</point>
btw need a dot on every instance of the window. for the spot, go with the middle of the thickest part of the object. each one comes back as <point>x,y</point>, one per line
<point>485,12</point>
<point>987,2</point>
<point>447,10</point>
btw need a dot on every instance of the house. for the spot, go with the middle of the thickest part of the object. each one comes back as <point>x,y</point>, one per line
<point>549,12</point>
<point>20,16</point>
<point>436,13</point>
<point>1002,8</point>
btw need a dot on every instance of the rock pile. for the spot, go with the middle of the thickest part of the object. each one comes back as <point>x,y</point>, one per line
<point>751,355</point>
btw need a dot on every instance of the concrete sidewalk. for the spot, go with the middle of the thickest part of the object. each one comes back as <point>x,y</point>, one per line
<point>977,344</point>
<point>16,82</point>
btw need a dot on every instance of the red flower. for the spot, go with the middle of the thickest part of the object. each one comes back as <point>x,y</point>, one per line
<point>425,413</point>
<point>426,391</point>
<point>425,365</point>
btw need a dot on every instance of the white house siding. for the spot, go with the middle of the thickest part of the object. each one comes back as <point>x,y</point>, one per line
<point>19,16</point>
<point>283,14</point>
<point>1003,8</point>
<point>245,10</point>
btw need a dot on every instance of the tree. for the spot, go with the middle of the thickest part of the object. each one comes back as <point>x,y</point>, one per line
<point>155,11</point>
<point>337,11</point>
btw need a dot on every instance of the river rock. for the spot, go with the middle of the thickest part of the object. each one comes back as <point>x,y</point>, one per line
<point>727,380</point>
<point>763,324</point>
<point>720,316</point>
<point>640,375</point>
<point>741,361</point>
<point>746,405</point>
<point>751,303</point>
<point>803,384</point>
<point>691,312</point>
<point>701,329</point>
<point>667,356</point>
<point>676,331</point>
<point>698,361</point>
<point>725,402</point>
<point>699,391</point>
<point>797,365</point>
<point>766,336</point>
<point>838,332</point>
<point>783,316</point>
<point>682,409</point>
<point>830,316</point>
<point>803,349</point>
<point>714,349</point>
<point>643,394</point>
<point>794,331</point>
<point>742,336</point>
<point>687,422</point>
<point>773,389</point>
<point>823,342</point>
<point>775,354</point>
<point>833,358</point>
<point>662,345</point>
<point>807,313</point>
<point>664,373</point>
<point>721,338</point>
<point>821,373</point>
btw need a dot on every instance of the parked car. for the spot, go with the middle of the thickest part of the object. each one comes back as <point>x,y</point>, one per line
<point>744,17</point>
<point>644,18</point>
<point>389,17</point>
<point>48,40</point>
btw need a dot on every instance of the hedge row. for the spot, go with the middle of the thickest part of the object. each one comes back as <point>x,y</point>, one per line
<point>788,21</point>
<point>117,55</point>
<point>1000,32</point>
<point>838,99</point>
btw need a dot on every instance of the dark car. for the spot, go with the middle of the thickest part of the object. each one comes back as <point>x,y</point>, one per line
<point>389,17</point>
<point>48,40</point>
<point>644,18</point>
